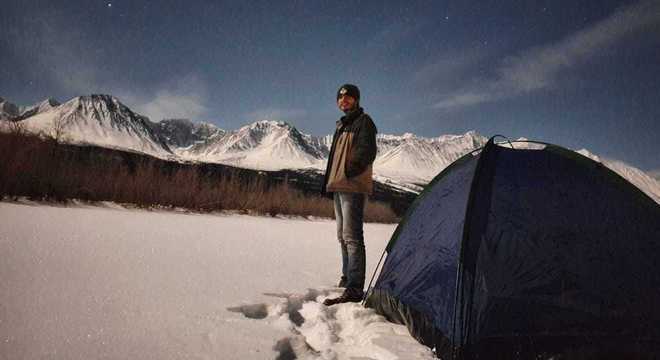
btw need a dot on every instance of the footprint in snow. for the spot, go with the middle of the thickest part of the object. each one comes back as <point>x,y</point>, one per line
<point>344,331</point>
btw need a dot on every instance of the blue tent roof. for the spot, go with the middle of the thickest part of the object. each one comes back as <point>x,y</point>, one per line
<point>541,250</point>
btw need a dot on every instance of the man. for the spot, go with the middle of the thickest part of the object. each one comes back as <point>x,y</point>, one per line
<point>348,177</point>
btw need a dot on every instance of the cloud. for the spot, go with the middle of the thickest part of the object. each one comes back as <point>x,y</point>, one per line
<point>447,70</point>
<point>276,114</point>
<point>463,99</point>
<point>537,68</point>
<point>181,97</point>
<point>393,35</point>
<point>168,105</point>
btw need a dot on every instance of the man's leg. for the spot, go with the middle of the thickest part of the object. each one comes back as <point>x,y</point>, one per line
<point>353,235</point>
<point>340,231</point>
<point>344,266</point>
<point>351,208</point>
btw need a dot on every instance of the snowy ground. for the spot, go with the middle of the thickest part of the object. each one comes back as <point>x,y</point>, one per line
<point>110,283</point>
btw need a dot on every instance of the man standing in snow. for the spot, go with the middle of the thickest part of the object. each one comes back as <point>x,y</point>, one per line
<point>348,177</point>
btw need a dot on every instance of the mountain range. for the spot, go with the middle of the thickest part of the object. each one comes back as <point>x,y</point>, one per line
<point>405,161</point>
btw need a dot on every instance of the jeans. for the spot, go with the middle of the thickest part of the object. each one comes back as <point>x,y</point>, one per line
<point>349,212</point>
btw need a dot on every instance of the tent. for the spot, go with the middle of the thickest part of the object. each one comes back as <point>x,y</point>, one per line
<point>526,253</point>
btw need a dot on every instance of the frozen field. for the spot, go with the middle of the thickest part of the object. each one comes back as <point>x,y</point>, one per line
<point>111,283</point>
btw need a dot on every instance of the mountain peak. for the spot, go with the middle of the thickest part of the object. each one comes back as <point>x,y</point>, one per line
<point>263,128</point>
<point>8,110</point>
<point>95,98</point>
<point>269,123</point>
<point>408,135</point>
<point>177,121</point>
<point>97,119</point>
<point>50,101</point>
<point>38,108</point>
<point>183,133</point>
<point>102,106</point>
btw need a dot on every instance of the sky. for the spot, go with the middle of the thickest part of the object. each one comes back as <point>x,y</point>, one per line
<point>581,74</point>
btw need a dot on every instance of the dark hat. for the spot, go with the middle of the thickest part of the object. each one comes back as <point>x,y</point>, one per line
<point>350,90</point>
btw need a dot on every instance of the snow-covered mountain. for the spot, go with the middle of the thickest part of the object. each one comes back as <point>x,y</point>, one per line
<point>407,161</point>
<point>654,174</point>
<point>8,110</point>
<point>412,159</point>
<point>263,145</point>
<point>99,120</point>
<point>639,178</point>
<point>271,145</point>
<point>183,133</point>
<point>39,108</point>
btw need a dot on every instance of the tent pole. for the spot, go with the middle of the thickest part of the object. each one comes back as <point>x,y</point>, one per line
<point>364,298</point>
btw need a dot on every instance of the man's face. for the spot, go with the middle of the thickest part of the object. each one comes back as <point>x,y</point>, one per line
<point>346,103</point>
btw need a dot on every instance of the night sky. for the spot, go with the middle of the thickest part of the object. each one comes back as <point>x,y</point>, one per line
<point>575,73</point>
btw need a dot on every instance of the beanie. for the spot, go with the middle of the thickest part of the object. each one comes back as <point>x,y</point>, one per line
<point>350,90</point>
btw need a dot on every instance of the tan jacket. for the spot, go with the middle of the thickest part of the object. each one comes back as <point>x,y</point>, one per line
<point>352,153</point>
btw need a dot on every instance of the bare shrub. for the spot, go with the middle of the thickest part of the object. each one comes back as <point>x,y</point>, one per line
<point>30,166</point>
<point>16,127</point>
<point>379,212</point>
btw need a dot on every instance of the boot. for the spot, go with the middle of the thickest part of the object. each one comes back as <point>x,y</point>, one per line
<point>342,282</point>
<point>349,295</point>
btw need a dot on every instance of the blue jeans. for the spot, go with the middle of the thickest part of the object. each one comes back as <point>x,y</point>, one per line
<point>349,212</point>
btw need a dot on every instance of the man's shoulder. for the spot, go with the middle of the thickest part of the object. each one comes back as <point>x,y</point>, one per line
<point>365,115</point>
<point>366,120</point>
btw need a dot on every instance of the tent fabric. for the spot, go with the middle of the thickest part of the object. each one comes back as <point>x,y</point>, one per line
<point>525,252</point>
<point>420,269</point>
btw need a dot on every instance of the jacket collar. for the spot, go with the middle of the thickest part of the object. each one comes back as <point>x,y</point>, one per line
<point>351,116</point>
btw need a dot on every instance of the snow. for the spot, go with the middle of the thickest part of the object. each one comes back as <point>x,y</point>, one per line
<point>86,282</point>
<point>404,161</point>
<point>263,145</point>
<point>408,159</point>
<point>99,120</point>
<point>637,177</point>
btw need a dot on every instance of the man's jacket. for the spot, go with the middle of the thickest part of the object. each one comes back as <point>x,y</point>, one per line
<point>351,156</point>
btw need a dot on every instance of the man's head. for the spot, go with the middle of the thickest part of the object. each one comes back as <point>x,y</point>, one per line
<point>348,97</point>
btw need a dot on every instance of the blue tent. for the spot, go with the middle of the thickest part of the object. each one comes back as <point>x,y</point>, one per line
<point>526,253</point>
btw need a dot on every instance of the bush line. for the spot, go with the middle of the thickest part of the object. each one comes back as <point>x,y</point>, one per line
<point>45,169</point>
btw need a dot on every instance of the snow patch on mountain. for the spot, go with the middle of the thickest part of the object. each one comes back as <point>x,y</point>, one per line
<point>180,134</point>
<point>38,108</point>
<point>99,120</point>
<point>637,177</point>
<point>654,174</point>
<point>417,160</point>
<point>263,145</point>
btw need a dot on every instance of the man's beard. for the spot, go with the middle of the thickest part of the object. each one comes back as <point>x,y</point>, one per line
<point>350,110</point>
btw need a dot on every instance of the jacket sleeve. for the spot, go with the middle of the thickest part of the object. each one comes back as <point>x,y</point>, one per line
<point>364,149</point>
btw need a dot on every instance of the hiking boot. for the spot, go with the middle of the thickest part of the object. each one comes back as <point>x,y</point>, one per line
<point>342,282</point>
<point>349,295</point>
